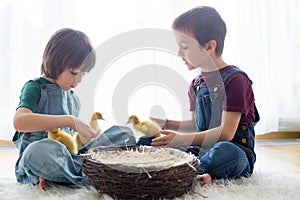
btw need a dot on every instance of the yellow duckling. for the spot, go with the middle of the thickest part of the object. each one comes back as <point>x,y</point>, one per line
<point>64,138</point>
<point>94,120</point>
<point>148,128</point>
<point>80,140</point>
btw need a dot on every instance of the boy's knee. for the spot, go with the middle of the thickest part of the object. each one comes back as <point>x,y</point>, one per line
<point>222,153</point>
<point>229,150</point>
<point>43,149</point>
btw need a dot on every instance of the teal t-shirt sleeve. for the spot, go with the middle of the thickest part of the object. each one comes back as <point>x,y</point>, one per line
<point>30,95</point>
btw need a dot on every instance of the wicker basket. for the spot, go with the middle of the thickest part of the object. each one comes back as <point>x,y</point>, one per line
<point>135,182</point>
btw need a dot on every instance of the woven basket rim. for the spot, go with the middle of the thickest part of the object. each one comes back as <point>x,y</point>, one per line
<point>134,168</point>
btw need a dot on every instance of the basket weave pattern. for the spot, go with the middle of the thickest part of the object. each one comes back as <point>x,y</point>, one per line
<point>120,184</point>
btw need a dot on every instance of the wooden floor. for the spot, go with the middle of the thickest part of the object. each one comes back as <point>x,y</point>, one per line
<point>278,158</point>
<point>8,157</point>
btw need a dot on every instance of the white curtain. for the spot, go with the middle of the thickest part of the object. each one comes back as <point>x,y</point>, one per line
<point>269,46</point>
<point>263,39</point>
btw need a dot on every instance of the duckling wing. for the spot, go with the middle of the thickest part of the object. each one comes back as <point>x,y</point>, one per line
<point>66,139</point>
<point>79,139</point>
<point>52,135</point>
<point>150,128</point>
<point>94,125</point>
<point>144,127</point>
<point>70,144</point>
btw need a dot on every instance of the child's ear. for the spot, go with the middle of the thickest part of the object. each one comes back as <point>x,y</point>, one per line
<point>211,46</point>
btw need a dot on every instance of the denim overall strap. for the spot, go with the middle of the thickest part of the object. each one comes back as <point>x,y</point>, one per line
<point>209,99</point>
<point>34,147</point>
<point>56,101</point>
<point>208,110</point>
<point>231,72</point>
<point>228,73</point>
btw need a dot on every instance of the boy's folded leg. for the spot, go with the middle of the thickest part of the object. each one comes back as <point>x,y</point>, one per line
<point>54,163</point>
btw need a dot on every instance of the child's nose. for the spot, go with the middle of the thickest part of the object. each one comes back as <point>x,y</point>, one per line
<point>78,78</point>
<point>180,54</point>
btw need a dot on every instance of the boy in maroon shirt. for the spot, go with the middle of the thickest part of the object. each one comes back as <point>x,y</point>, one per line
<point>221,129</point>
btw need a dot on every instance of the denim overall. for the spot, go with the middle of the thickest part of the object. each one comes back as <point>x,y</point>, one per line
<point>41,156</point>
<point>146,141</point>
<point>225,159</point>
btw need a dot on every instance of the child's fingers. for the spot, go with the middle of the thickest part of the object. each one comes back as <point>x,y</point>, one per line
<point>93,134</point>
<point>165,132</point>
<point>162,141</point>
<point>157,143</point>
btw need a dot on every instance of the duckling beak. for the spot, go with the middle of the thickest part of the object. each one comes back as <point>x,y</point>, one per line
<point>99,116</point>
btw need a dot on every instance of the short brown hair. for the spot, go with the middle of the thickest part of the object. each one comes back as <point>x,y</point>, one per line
<point>67,48</point>
<point>205,24</point>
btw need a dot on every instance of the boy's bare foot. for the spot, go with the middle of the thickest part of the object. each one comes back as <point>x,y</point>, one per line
<point>42,183</point>
<point>205,179</point>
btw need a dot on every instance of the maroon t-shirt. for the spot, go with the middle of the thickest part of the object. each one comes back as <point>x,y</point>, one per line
<point>239,93</point>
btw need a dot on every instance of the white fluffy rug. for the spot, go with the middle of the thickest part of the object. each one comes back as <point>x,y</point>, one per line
<point>262,185</point>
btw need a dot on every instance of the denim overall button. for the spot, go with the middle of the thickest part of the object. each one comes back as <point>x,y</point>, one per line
<point>44,86</point>
<point>244,140</point>
<point>244,127</point>
<point>216,89</point>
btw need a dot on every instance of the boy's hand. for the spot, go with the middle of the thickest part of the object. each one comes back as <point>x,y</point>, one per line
<point>85,130</point>
<point>171,139</point>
